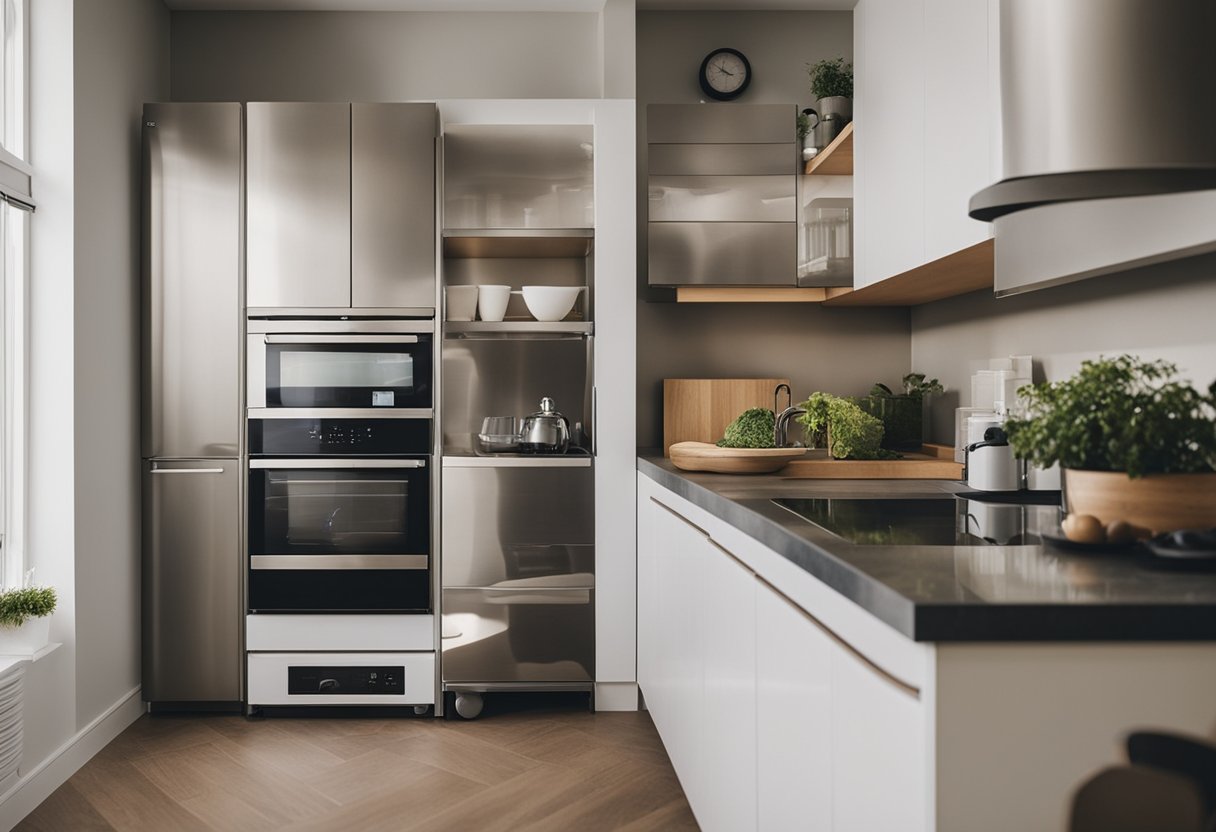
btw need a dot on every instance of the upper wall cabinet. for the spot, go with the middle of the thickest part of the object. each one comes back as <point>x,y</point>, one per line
<point>341,206</point>
<point>722,195</point>
<point>926,113</point>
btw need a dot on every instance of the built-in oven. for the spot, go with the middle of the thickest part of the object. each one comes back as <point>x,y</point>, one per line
<point>340,366</point>
<point>340,515</point>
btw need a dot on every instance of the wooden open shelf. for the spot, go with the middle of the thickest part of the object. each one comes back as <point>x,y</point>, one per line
<point>837,158</point>
<point>517,243</point>
<point>967,270</point>
<point>749,294</point>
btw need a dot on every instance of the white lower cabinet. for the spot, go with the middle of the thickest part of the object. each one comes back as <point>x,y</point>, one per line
<point>771,721</point>
<point>793,717</point>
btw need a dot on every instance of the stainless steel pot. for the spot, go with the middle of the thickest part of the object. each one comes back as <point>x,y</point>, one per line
<point>546,431</point>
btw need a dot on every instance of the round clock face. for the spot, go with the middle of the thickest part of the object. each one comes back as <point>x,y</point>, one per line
<point>725,74</point>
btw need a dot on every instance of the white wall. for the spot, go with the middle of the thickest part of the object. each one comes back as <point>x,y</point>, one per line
<point>92,66</point>
<point>384,56</point>
<point>122,61</point>
<point>843,351</point>
<point>1164,311</point>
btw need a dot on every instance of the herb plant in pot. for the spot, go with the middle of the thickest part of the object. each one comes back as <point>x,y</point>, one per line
<point>1134,443</point>
<point>832,85</point>
<point>25,624</point>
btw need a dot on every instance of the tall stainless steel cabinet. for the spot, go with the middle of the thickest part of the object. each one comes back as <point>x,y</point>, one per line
<point>191,403</point>
<point>341,206</point>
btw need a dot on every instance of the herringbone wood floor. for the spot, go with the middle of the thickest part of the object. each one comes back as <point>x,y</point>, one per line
<point>526,768</point>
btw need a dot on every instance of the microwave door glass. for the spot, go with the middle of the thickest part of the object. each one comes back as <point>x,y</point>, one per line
<point>303,369</point>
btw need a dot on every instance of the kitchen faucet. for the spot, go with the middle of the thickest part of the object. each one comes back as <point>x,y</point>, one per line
<point>781,423</point>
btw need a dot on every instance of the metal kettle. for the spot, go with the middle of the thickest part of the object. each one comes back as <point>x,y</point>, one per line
<point>546,431</point>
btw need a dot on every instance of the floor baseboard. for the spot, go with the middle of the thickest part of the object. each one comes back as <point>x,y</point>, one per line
<point>616,696</point>
<point>34,787</point>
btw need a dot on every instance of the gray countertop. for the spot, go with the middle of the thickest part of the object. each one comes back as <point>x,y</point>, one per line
<point>959,593</point>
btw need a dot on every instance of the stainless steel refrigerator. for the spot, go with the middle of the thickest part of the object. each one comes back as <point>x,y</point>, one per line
<point>191,433</point>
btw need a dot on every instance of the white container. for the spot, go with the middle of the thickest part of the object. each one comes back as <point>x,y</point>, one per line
<point>492,302</point>
<point>27,639</point>
<point>461,302</point>
<point>991,467</point>
<point>550,303</point>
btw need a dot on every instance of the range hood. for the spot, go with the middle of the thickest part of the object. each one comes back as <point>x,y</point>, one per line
<point>1103,99</point>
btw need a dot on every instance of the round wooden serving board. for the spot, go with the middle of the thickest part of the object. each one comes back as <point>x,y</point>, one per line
<point>701,456</point>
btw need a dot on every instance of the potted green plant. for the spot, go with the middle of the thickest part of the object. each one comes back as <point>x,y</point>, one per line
<point>1134,443</point>
<point>25,625</point>
<point>832,85</point>
<point>902,414</point>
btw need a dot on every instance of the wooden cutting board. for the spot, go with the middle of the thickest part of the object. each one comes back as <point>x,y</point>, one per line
<point>699,409</point>
<point>701,456</point>
<point>934,462</point>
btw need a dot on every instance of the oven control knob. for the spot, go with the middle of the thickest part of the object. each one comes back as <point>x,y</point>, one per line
<point>328,685</point>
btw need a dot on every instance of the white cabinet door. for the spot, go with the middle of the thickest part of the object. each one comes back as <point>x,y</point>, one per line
<point>958,122</point>
<point>647,593</point>
<point>879,750</point>
<point>793,718</point>
<point>728,628</point>
<point>889,100</point>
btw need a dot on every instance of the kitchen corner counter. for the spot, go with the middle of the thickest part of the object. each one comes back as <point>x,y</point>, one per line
<point>958,593</point>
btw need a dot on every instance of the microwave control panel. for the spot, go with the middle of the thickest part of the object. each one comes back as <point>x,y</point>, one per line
<point>339,437</point>
<point>345,680</point>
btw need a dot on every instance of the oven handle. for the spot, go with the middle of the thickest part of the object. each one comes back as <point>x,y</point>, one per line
<point>317,562</point>
<point>337,463</point>
<point>341,339</point>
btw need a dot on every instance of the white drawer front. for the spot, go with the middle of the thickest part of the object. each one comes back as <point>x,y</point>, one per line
<point>268,678</point>
<point>340,632</point>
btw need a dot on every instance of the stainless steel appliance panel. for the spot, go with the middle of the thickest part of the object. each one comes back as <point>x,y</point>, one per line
<point>722,198</point>
<point>298,198</point>
<point>721,123</point>
<point>742,253</point>
<point>508,377</point>
<point>192,280</point>
<point>518,635</point>
<point>191,581</point>
<point>392,216</point>
<point>722,159</point>
<point>518,527</point>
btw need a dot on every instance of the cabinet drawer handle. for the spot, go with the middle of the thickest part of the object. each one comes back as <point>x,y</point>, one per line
<point>666,507</point>
<point>882,672</point>
<point>731,555</point>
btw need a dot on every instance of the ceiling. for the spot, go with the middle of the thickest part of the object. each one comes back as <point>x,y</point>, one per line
<point>499,5</point>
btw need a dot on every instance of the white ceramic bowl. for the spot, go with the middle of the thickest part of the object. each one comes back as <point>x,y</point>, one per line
<point>550,303</point>
<point>492,302</point>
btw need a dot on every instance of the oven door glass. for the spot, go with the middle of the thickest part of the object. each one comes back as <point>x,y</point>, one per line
<point>336,537</point>
<point>339,511</point>
<point>348,371</point>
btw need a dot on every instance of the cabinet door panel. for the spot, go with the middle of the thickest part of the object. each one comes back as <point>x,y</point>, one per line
<point>957,89</point>
<point>890,138</point>
<point>879,755</point>
<point>728,628</point>
<point>298,204</point>
<point>793,718</point>
<point>392,205</point>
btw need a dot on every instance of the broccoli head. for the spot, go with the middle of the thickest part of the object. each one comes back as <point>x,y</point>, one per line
<point>753,429</point>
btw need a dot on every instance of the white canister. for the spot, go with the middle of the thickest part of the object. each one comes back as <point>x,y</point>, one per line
<point>492,302</point>
<point>461,303</point>
<point>991,465</point>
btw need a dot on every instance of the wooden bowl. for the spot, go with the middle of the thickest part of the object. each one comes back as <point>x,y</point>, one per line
<point>701,456</point>
<point>1160,502</point>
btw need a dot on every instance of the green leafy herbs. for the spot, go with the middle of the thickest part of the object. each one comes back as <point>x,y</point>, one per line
<point>831,77</point>
<point>1118,414</point>
<point>850,432</point>
<point>803,123</point>
<point>19,605</point>
<point>752,429</point>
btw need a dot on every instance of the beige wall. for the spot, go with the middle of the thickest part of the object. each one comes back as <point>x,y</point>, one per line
<point>384,56</point>
<point>843,351</point>
<point>122,60</point>
<point>1166,311</point>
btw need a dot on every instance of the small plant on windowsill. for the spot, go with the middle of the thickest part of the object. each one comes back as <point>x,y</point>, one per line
<point>24,619</point>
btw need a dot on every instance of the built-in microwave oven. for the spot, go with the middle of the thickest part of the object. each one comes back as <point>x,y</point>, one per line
<point>340,367</point>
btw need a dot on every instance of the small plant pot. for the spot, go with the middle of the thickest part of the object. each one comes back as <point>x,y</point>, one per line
<point>26,639</point>
<point>1160,502</point>
<point>836,105</point>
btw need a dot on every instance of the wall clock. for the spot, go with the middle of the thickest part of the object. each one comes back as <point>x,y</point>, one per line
<point>725,74</point>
